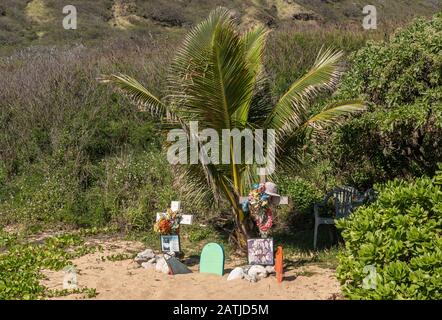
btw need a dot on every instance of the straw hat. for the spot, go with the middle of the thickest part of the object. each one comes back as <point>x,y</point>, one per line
<point>271,189</point>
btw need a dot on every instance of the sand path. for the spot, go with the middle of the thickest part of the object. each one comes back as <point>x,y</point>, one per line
<point>125,280</point>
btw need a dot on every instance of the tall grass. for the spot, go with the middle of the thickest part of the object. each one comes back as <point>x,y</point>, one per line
<point>61,129</point>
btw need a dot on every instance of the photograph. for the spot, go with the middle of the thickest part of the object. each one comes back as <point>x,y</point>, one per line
<point>170,243</point>
<point>260,251</point>
<point>266,149</point>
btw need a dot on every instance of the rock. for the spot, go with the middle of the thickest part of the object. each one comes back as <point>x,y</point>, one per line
<point>257,272</point>
<point>246,269</point>
<point>152,261</point>
<point>237,273</point>
<point>144,256</point>
<point>160,263</point>
<point>161,266</point>
<point>70,279</point>
<point>250,278</point>
<point>305,16</point>
<point>270,269</point>
<point>148,265</point>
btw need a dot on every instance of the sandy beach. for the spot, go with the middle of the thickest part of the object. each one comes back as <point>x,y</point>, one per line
<point>124,279</point>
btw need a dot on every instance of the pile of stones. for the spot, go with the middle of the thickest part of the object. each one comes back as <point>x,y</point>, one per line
<point>252,273</point>
<point>147,259</point>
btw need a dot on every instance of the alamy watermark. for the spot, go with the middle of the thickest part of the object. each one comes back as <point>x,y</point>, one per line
<point>70,278</point>
<point>371,19</point>
<point>70,20</point>
<point>371,280</point>
<point>204,147</point>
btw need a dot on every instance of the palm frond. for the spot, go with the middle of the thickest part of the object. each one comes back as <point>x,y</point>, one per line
<point>254,43</point>
<point>292,106</point>
<point>292,146</point>
<point>135,91</point>
<point>332,114</point>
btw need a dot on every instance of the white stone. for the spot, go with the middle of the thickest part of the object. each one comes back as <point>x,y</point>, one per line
<point>148,265</point>
<point>144,256</point>
<point>250,278</point>
<point>257,271</point>
<point>270,269</point>
<point>237,273</point>
<point>70,280</point>
<point>162,266</point>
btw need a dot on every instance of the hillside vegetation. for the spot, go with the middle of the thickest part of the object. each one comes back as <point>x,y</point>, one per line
<point>75,154</point>
<point>39,22</point>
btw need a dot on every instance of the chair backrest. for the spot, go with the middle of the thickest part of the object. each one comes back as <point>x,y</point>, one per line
<point>370,196</point>
<point>344,198</point>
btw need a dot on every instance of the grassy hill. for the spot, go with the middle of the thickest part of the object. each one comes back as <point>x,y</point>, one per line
<point>39,22</point>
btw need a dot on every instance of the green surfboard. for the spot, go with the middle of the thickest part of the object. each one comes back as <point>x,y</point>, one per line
<point>212,259</point>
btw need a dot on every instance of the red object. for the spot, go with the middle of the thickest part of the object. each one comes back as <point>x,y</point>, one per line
<point>265,227</point>
<point>279,268</point>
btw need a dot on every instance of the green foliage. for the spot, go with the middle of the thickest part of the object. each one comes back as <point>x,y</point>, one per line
<point>126,191</point>
<point>6,239</point>
<point>71,151</point>
<point>120,256</point>
<point>289,54</point>
<point>402,134</point>
<point>21,265</point>
<point>400,235</point>
<point>303,194</point>
<point>199,234</point>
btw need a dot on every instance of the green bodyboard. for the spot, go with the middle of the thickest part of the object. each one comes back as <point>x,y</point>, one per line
<point>212,259</point>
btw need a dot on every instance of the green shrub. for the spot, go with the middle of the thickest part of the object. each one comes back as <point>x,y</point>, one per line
<point>399,239</point>
<point>302,194</point>
<point>124,190</point>
<point>63,137</point>
<point>289,54</point>
<point>197,234</point>
<point>21,265</point>
<point>401,134</point>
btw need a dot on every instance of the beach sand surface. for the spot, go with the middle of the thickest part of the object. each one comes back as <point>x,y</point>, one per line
<point>124,279</point>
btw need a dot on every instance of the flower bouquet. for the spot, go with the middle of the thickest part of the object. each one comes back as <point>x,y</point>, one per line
<point>168,223</point>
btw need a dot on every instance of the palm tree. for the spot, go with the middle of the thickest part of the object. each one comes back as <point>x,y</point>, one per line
<point>217,78</point>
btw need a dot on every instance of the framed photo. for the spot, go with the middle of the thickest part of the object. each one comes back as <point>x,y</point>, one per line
<point>260,251</point>
<point>170,243</point>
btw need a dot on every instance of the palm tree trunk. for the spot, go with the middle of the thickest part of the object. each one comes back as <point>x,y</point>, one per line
<point>243,231</point>
<point>243,225</point>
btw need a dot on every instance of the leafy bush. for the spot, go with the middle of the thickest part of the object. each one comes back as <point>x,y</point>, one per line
<point>302,193</point>
<point>399,238</point>
<point>199,234</point>
<point>289,54</point>
<point>401,135</point>
<point>125,190</point>
<point>21,265</point>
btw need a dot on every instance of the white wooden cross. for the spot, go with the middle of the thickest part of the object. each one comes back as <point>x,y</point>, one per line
<point>176,206</point>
